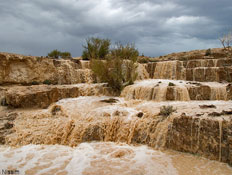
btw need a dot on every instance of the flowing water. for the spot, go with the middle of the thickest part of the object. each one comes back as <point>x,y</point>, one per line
<point>58,140</point>
<point>177,90</point>
<point>105,158</point>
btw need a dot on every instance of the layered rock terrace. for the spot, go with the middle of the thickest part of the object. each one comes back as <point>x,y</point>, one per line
<point>197,86</point>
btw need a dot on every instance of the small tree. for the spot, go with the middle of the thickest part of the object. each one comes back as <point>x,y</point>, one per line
<point>96,48</point>
<point>118,68</point>
<point>127,52</point>
<point>226,40</point>
<point>57,54</point>
<point>65,55</point>
<point>109,71</point>
<point>54,54</point>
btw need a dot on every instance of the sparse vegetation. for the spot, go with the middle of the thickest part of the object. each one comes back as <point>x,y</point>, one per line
<point>127,52</point>
<point>226,40</point>
<point>115,72</point>
<point>58,54</point>
<point>117,68</point>
<point>96,48</point>
<point>65,55</point>
<point>54,54</point>
<point>165,111</point>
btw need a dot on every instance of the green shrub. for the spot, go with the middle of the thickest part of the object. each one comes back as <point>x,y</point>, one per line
<point>114,71</point>
<point>96,48</point>
<point>116,66</point>
<point>127,52</point>
<point>48,82</point>
<point>65,55</point>
<point>165,111</point>
<point>57,54</point>
<point>54,54</point>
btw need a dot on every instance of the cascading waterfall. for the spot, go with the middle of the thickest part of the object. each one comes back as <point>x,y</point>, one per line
<point>71,122</point>
<point>171,90</point>
<point>101,122</point>
<point>218,93</point>
<point>165,70</point>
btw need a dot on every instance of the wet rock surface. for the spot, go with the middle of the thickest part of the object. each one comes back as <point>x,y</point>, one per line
<point>208,137</point>
<point>41,96</point>
<point>84,119</point>
<point>160,90</point>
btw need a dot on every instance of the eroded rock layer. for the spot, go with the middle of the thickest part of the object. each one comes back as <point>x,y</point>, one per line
<point>19,69</point>
<point>43,95</point>
<point>211,138</point>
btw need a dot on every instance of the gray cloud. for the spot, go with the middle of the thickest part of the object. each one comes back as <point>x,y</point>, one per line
<point>156,27</point>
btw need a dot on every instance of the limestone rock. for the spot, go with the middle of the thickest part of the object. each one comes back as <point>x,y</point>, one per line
<point>43,95</point>
<point>19,69</point>
<point>210,137</point>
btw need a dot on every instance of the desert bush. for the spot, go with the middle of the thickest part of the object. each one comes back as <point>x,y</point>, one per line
<point>54,54</point>
<point>109,71</point>
<point>96,48</point>
<point>208,52</point>
<point>116,72</point>
<point>65,54</point>
<point>116,66</point>
<point>58,54</point>
<point>165,111</point>
<point>127,52</point>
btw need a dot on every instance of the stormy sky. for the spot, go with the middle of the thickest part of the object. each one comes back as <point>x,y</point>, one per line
<point>157,27</point>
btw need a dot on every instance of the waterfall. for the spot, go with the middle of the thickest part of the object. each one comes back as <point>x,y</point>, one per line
<point>165,70</point>
<point>218,93</point>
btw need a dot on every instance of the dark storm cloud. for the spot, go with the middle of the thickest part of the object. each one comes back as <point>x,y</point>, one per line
<point>156,27</point>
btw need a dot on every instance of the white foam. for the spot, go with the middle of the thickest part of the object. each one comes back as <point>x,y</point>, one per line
<point>104,158</point>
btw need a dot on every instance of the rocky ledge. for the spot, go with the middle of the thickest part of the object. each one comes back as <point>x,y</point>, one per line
<point>209,137</point>
<point>19,69</point>
<point>41,96</point>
